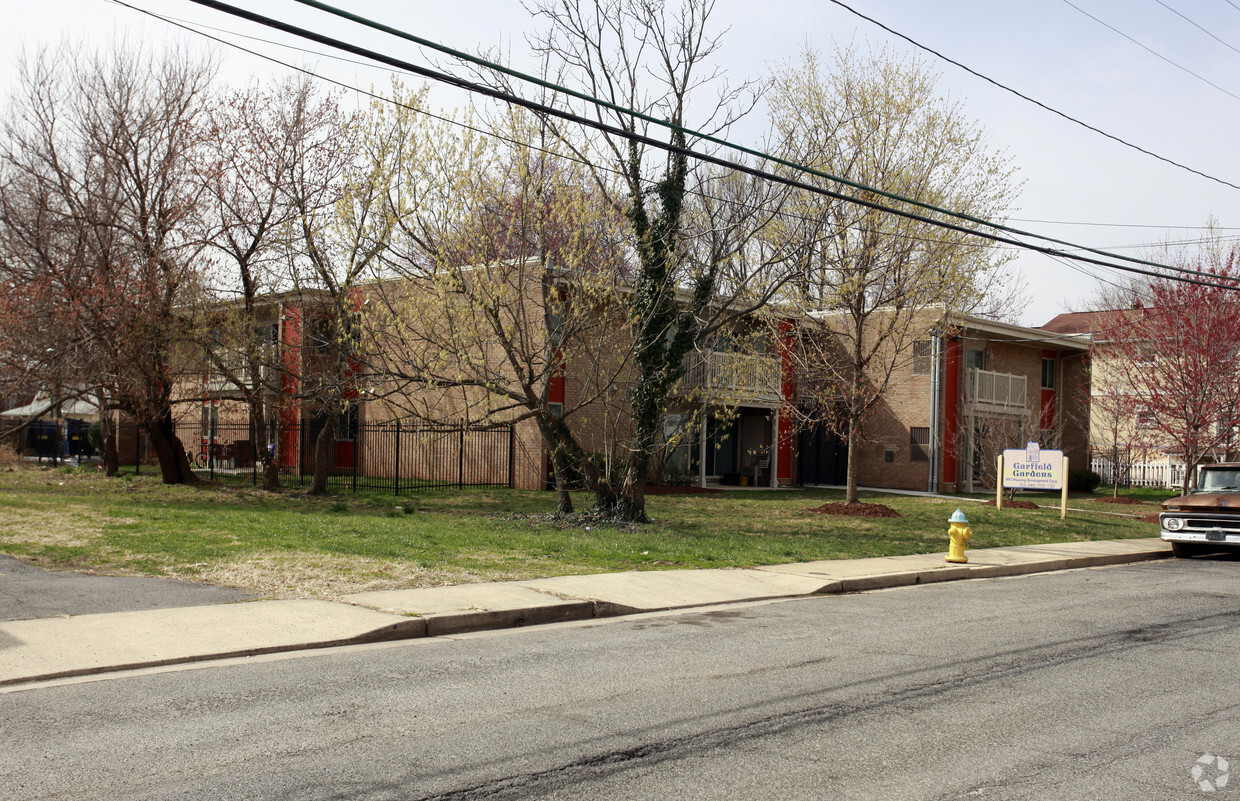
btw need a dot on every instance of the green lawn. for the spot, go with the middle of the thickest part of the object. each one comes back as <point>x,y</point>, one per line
<point>289,544</point>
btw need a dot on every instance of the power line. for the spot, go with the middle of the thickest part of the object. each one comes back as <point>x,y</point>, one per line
<point>1198,26</point>
<point>1153,52</point>
<point>686,152</point>
<point>1025,97</point>
<point>1020,245</point>
<point>1121,225</point>
<point>195,29</point>
<point>631,114</point>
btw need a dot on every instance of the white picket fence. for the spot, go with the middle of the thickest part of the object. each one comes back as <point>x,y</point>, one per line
<point>1139,474</point>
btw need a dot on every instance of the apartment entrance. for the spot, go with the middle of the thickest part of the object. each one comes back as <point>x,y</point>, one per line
<point>822,457</point>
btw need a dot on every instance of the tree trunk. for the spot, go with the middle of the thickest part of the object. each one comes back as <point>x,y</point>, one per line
<point>630,504</point>
<point>850,481</point>
<point>563,498</point>
<point>558,437</point>
<point>111,456</point>
<point>322,453</point>
<point>268,458</point>
<point>271,476</point>
<point>173,465</point>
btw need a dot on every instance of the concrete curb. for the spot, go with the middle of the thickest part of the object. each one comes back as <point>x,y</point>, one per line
<point>963,572</point>
<point>56,648</point>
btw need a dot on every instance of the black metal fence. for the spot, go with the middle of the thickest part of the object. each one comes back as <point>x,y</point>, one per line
<point>393,456</point>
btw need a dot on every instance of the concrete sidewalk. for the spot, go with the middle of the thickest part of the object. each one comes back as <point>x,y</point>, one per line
<point>48,648</point>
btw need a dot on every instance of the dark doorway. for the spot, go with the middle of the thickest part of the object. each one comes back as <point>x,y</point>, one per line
<point>822,457</point>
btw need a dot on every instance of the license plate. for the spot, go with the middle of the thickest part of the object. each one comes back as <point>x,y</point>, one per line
<point>1216,536</point>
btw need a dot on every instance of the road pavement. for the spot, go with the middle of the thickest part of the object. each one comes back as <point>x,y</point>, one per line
<point>28,592</point>
<point>1103,683</point>
<point>49,648</point>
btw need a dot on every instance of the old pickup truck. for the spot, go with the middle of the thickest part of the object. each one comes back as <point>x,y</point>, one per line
<point>1207,519</point>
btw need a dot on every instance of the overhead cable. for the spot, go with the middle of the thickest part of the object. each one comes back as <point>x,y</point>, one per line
<point>1037,103</point>
<point>688,132</point>
<point>1198,26</point>
<point>683,151</point>
<point>1154,52</point>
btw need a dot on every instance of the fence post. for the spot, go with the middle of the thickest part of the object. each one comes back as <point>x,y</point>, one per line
<point>301,450</point>
<point>211,432</point>
<point>137,450</point>
<point>357,453</point>
<point>398,444</point>
<point>253,451</point>
<point>512,457</point>
<point>460,458</point>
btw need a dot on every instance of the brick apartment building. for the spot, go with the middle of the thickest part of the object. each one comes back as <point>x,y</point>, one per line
<point>973,388</point>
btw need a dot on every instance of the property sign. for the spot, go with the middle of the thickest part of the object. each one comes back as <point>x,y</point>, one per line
<point>1033,468</point>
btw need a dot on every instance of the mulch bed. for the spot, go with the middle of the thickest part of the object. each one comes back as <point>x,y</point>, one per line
<point>659,489</point>
<point>1014,504</point>
<point>856,510</point>
<point>1128,501</point>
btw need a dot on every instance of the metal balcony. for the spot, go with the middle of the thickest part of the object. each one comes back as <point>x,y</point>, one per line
<point>732,379</point>
<point>997,393</point>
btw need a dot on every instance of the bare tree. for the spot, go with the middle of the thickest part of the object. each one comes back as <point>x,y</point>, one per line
<point>655,59</point>
<point>254,136</point>
<point>101,209</point>
<point>336,185</point>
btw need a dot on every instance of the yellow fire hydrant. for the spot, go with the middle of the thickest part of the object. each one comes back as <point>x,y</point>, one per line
<point>959,534</point>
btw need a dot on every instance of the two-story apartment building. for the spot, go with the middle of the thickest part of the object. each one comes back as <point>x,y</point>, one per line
<point>973,387</point>
<point>970,388</point>
<point>1125,443</point>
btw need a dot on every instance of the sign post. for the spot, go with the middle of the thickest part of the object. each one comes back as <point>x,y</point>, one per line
<point>1034,468</point>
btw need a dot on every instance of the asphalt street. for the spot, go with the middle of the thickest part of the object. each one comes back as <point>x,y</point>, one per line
<point>27,592</point>
<point>1111,683</point>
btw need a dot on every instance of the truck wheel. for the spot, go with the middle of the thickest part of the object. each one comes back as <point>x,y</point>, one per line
<point>1183,550</point>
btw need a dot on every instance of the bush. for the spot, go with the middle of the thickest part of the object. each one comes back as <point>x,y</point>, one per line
<point>1083,480</point>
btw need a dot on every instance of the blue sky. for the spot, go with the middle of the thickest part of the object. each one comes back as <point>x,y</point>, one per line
<point>1045,48</point>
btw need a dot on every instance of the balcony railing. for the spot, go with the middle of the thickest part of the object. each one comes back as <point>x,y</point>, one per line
<point>998,392</point>
<point>219,383</point>
<point>732,378</point>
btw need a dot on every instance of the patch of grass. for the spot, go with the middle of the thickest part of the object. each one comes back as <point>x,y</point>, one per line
<point>290,544</point>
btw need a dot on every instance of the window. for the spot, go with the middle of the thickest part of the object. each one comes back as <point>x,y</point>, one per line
<point>919,444</point>
<point>1146,417</point>
<point>921,357</point>
<point>1048,374</point>
<point>347,432</point>
<point>975,359</point>
<point>210,420</point>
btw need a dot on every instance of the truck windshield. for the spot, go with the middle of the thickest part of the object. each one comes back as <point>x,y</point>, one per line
<point>1219,480</point>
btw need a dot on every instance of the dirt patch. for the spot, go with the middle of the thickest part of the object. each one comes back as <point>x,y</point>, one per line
<point>1121,500</point>
<point>660,489</point>
<point>68,525</point>
<point>1015,504</point>
<point>856,510</point>
<point>1151,518</point>
<point>313,575</point>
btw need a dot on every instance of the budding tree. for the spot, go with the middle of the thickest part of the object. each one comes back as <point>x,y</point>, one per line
<point>1182,352</point>
<point>870,281</point>
<point>501,283</point>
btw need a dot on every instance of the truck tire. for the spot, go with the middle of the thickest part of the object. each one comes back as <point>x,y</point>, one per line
<point>1183,550</point>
